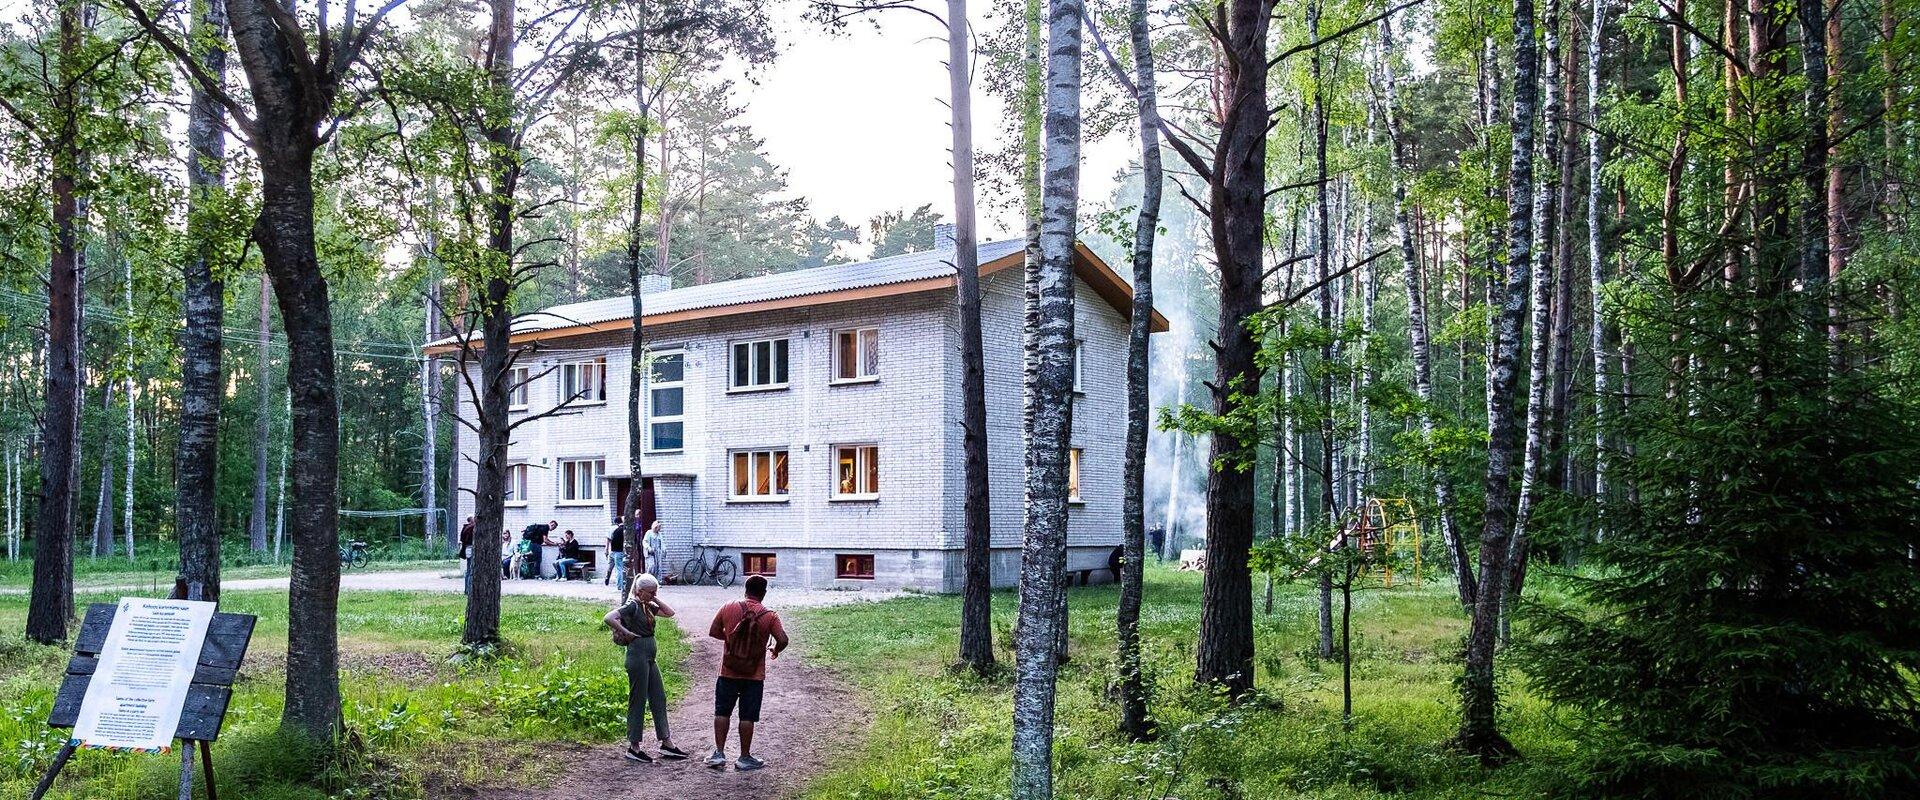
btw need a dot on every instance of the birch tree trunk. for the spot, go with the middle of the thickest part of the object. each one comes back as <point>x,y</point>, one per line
<point>1596,268</point>
<point>637,343</point>
<point>262,418</point>
<point>1044,551</point>
<point>1323,246</point>
<point>1134,720</point>
<point>1419,344</point>
<point>430,409</point>
<point>1479,734</point>
<point>103,498</point>
<point>976,609</point>
<point>126,475</point>
<point>50,605</point>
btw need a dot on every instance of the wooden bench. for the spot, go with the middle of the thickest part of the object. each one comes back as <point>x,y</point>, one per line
<point>588,565</point>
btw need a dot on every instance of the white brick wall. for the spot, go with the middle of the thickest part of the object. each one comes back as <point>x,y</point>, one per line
<point>912,413</point>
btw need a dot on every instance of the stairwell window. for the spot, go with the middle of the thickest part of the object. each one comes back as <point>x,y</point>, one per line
<point>759,476</point>
<point>1073,476</point>
<point>1079,349</point>
<point>856,355</point>
<point>759,364</point>
<point>518,379</point>
<point>666,402</point>
<point>516,492</point>
<point>856,469</point>
<point>584,381</point>
<point>580,482</point>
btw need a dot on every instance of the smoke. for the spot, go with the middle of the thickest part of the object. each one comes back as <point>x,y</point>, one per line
<point>1179,359</point>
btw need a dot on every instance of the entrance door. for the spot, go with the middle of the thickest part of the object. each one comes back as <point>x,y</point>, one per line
<point>648,509</point>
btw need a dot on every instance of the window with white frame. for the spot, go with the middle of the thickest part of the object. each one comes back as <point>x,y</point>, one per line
<point>1073,475</point>
<point>580,480</point>
<point>856,355</point>
<point>516,494</point>
<point>1079,349</point>
<point>759,364</point>
<point>759,475</point>
<point>584,381</point>
<point>856,471</point>
<point>666,402</point>
<point>518,380</point>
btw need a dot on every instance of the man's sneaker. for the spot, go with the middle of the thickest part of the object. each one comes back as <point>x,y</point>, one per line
<point>671,753</point>
<point>748,764</point>
<point>717,760</point>
<point>639,756</point>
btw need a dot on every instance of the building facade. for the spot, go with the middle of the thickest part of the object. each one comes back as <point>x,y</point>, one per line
<point>807,423</point>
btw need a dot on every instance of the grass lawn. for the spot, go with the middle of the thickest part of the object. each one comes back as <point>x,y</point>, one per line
<point>423,719</point>
<point>158,570</point>
<point>936,735</point>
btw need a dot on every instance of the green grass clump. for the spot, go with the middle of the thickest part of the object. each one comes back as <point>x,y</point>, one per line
<point>419,717</point>
<point>942,735</point>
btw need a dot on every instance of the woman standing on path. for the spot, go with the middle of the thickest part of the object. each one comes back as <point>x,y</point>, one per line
<point>633,626</point>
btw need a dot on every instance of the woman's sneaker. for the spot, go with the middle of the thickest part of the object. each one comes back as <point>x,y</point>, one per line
<point>639,756</point>
<point>718,760</point>
<point>748,764</point>
<point>671,753</point>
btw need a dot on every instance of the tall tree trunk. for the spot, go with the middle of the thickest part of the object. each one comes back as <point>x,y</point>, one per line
<point>1044,551</point>
<point>50,605</point>
<point>1479,734</point>
<point>1323,247</point>
<point>637,343</point>
<point>430,409</point>
<point>1224,656</point>
<point>103,499</point>
<point>126,475</point>
<point>496,320</point>
<point>1422,357</point>
<point>197,459</point>
<point>1596,268</point>
<point>262,417</point>
<point>976,609</point>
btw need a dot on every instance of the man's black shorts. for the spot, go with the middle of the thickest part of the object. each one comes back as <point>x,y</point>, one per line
<point>747,692</point>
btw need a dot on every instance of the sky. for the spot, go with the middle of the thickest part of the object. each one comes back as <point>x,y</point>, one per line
<point>860,120</point>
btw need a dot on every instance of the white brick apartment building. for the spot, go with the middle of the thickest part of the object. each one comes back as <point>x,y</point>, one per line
<point>808,422</point>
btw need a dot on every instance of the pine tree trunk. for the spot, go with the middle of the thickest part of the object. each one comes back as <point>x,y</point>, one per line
<point>50,605</point>
<point>1421,349</point>
<point>1479,734</point>
<point>1134,719</point>
<point>1044,551</point>
<point>976,610</point>
<point>197,459</point>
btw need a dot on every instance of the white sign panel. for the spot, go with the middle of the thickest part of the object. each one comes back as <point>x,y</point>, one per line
<point>140,685</point>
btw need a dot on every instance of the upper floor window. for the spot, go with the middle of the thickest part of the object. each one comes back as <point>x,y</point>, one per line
<point>760,364</point>
<point>759,475</point>
<point>584,381</point>
<point>516,494</point>
<point>856,472</point>
<point>580,480</point>
<point>856,355</point>
<point>666,401</point>
<point>518,379</point>
<point>1079,351</point>
<point>1073,475</point>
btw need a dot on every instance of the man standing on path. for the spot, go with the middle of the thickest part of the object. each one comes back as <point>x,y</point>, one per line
<point>744,628</point>
<point>617,553</point>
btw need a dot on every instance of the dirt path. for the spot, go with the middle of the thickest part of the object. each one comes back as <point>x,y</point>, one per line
<point>808,716</point>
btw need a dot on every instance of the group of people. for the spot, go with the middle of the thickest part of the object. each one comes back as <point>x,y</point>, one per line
<point>523,558</point>
<point>750,634</point>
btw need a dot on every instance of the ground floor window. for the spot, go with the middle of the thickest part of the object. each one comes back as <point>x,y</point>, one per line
<point>759,563</point>
<point>759,475</point>
<point>856,472</point>
<point>856,566</point>
<point>580,480</point>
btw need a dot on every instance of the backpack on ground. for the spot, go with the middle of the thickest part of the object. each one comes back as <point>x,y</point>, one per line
<point>743,652</point>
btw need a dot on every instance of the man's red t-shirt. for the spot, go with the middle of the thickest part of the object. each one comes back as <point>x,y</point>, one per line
<point>766,627</point>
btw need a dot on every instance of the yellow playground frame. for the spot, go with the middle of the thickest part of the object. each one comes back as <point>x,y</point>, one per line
<point>1387,530</point>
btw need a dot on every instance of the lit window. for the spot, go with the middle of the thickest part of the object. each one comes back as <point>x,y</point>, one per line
<point>517,380</point>
<point>759,475</point>
<point>584,381</point>
<point>759,564</point>
<point>516,493</point>
<point>666,401</point>
<point>856,354</point>
<point>853,566</point>
<point>1073,475</point>
<point>856,471</point>
<point>580,480</point>
<point>759,364</point>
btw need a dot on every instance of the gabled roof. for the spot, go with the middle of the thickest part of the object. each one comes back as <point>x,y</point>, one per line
<point>882,277</point>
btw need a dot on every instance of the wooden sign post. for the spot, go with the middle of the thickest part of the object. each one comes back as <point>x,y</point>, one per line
<point>207,694</point>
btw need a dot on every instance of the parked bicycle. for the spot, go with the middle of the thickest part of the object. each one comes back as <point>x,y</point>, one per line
<point>355,554</point>
<point>722,572</point>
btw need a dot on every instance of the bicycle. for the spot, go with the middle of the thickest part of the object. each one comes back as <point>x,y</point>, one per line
<point>355,554</point>
<point>722,572</point>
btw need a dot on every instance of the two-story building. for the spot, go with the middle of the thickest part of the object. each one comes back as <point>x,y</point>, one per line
<point>808,422</point>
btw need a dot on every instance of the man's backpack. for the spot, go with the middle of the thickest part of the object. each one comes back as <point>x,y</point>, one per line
<point>743,653</point>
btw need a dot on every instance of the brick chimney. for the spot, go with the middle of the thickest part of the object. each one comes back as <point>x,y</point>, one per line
<point>943,236</point>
